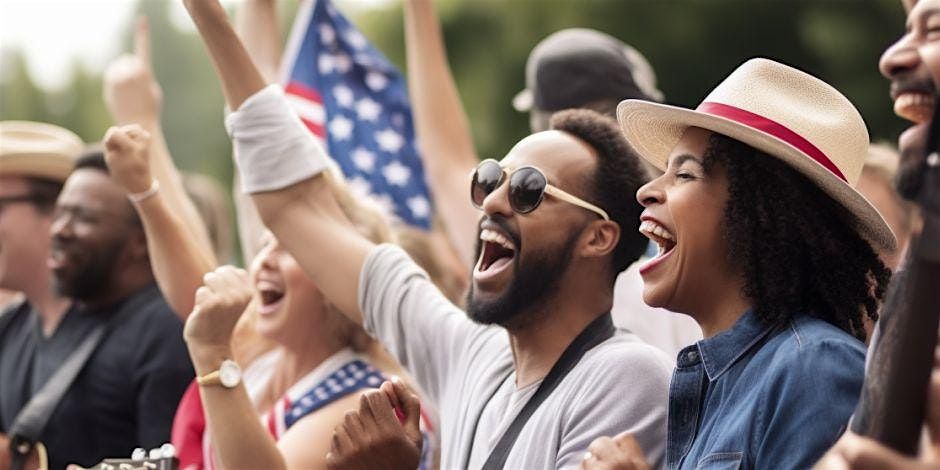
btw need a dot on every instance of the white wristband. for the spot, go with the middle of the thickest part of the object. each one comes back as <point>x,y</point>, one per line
<point>273,149</point>
<point>144,195</point>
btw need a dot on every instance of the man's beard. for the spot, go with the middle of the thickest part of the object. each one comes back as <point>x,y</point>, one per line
<point>533,282</point>
<point>90,280</point>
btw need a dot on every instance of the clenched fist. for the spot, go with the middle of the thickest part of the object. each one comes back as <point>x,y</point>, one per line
<point>127,153</point>
<point>374,436</point>
<point>225,294</point>
<point>620,452</point>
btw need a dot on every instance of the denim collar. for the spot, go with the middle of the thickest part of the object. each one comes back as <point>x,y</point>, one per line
<point>721,351</point>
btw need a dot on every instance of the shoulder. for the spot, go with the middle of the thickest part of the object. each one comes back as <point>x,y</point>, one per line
<point>811,344</point>
<point>307,442</point>
<point>626,353</point>
<point>813,363</point>
<point>151,311</point>
<point>624,364</point>
<point>388,256</point>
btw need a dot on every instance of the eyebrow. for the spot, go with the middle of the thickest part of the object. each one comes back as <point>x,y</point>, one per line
<point>680,159</point>
<point>922,17</point>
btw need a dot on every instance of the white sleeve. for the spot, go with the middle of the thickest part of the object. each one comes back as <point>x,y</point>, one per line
<point>424,331</point>
<point>273,149</point>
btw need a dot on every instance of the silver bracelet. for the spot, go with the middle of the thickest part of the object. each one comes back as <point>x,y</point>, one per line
<point>144,195</point>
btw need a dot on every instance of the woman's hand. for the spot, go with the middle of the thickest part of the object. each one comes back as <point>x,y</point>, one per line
<point>620,452</point>
<point>219,304</point>
<point>127,153</point>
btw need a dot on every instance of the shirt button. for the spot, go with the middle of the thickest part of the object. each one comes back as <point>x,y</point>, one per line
<point>692,356</point>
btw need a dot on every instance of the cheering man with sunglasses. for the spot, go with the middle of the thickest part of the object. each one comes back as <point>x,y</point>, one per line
<point>534,370</point>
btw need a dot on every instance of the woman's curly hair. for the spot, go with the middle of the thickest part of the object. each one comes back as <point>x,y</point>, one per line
<point>796,246</point>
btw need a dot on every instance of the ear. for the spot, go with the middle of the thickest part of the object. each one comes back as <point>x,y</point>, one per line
<point>599,239</point>
<point>137,245</point>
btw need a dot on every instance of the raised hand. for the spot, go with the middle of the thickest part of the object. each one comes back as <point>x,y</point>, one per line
<point>127,153</point>
<point>131,93</point>
<point>620,452</point>
<point>219,303</point>
<point>374,436</point>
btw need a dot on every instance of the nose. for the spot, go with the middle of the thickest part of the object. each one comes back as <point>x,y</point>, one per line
<point>900,58</point>
<point>497,202</point>
<point>61,227</point>
<point>651,193</point>
<point>269,256</point>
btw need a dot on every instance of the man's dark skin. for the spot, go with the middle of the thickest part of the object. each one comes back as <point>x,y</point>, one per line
<point>374,437</point>
<point>94,222</point>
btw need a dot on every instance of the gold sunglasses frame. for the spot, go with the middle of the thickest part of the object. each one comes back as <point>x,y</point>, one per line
<point>550,189</point>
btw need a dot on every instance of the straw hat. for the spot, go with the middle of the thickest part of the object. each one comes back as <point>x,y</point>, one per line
<point>37,149</point>
<point>781,111</point>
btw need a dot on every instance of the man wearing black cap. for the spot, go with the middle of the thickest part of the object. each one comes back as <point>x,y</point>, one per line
<point>572,68</point>
<point>583,68</point>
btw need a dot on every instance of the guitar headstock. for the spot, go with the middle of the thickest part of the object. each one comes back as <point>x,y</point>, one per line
<point>161,458</point>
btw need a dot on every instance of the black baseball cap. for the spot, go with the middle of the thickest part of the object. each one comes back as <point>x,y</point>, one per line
<point>573,67</point>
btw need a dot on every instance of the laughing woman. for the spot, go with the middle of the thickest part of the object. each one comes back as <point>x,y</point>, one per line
<point>765,243</point>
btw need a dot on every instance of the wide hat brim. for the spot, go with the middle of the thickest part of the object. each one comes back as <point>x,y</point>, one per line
<point>654,129</point>
<point>37,165</point>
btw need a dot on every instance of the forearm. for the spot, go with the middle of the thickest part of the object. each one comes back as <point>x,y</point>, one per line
<point>178,260</point>
<point>238,438</point>
<point>256,23</point>
<point>441,124</point>
<point>239,76</point>
<point>306,219</point>
<point>174,195</point>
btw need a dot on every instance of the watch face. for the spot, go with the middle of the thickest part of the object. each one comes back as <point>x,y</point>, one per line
<point>229,373</point>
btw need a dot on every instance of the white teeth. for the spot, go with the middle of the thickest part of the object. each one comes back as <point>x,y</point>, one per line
<point>652,229</point>
<point>498,238</point>
<point>916,107</point>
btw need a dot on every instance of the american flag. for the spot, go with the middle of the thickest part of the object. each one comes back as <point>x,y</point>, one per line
<point>352,98</point>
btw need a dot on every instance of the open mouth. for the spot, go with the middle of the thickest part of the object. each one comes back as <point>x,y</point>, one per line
<point>497,253</point>
<point>270,296</point>
<point>663,238</point>
<point>57,259</point>
<point>915,106</point>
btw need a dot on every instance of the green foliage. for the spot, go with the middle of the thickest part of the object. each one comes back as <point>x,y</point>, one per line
<point>692,44</point>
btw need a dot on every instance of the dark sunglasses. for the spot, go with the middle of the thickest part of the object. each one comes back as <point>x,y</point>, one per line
<point>527,187</point>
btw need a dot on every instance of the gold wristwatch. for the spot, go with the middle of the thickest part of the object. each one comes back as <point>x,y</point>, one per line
<point>229,375</point>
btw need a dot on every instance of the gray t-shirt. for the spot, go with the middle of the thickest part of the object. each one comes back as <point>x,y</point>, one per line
<point>620,385</point>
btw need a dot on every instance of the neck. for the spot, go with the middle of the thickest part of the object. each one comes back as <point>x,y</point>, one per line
<point>44,300</point>
<point>721,312</point>
<point>537,345</point>
<point>123,284</point>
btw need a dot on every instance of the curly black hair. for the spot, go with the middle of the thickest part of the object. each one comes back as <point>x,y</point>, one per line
<point>616,179</point>
<point>797,247</point>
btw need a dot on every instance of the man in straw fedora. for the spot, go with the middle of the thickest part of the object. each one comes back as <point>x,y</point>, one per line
<point>767,245</point>
<point>35,160</point>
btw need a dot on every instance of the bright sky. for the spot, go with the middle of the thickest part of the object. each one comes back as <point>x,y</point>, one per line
<point>54,33</point>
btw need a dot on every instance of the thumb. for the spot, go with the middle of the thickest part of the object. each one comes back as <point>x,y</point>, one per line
<point>114,140</point>
<point>410,404</point>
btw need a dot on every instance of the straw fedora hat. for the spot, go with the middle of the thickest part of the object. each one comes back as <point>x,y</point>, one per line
<point>779,110</point>
<point>37,149</point>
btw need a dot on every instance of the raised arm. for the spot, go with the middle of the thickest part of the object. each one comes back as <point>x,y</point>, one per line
<point>256,23</point>
<point>133,96</point>
<point>441,126</point>
<point>177,258</point>
<point>282,166</point>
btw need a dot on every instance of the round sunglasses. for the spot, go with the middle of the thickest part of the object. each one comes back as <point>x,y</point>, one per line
<point>527,187</point>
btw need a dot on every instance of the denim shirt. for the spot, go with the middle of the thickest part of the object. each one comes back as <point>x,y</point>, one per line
<point>763,395</point>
